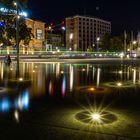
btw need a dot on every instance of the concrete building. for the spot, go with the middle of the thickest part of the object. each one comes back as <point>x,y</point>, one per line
<point>53,41</point>
<point>38,30</point>
<point>84,32</point>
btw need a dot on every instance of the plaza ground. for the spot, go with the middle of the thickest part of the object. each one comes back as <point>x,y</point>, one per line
<point>55,118</point>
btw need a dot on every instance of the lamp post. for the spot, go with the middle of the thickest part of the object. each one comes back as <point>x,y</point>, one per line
<point>17,36</point>
<point>63,30</point>
<point>51,30</point>
<point>71,38</point>
<point>98,39</point>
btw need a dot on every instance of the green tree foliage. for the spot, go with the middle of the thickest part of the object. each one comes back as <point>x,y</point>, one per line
<point>105,44</point>
<point>8,32</point>
<point>114,43</point>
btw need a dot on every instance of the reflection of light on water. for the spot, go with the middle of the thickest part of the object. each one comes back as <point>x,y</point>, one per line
<point>120,72</point>
<point>98,76</point>
<point>93,73</point>
<point>87,69</point>
<point>64,87</point>
<point>134,76</point>
<point>119,84</point>
<point>1,68</point>
<point>71,77</point>
<point>91,89</point>
<point>20,79</point>
<point>83,69</point>
<point>128,73</point>
<point>16,115</point>
<point>51,88</point>
<point>139,74</point>
<point>57,69</point>
<point>5,105</point>
<point>53,65</point>
<point>62,72</point>
<point>23,101</point>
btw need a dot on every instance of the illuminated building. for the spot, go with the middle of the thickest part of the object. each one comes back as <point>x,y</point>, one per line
<point>38,30</point>
<point>83,32</point>
<point>53,40</point>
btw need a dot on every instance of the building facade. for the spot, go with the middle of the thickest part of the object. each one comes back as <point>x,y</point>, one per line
<point>84,33</point>
<point>38,30</point>
<point>53,40</point>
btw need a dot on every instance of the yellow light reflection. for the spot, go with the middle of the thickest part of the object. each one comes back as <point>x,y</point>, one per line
<point>20,79</point>
<point>91,89</point>
<point>95,117</point>
<point>16,115</point>
<point>119,84</point>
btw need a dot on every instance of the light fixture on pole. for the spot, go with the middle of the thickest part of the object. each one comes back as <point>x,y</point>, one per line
<point>71,38</point>
<point>17,35</point>
<point>98,40</point>
<point>63,30</point>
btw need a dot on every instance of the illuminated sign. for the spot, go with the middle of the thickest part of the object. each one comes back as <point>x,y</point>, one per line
<point>39,34</point>
<point>7,11</point>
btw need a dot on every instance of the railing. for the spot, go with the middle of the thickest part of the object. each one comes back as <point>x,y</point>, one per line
<point>61,54</point>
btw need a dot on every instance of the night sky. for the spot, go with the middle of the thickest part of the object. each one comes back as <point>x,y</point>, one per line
<point>123,14</point>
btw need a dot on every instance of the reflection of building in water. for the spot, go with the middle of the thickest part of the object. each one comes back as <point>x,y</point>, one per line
<point>38,80</point>
<point>20,102</point>
<point>73,77</point>
<point>139,74</point>
<point>134,76</point>
<point>64,86</point>
<point>54,79</point>
<point>98,77</point>
<point>71,72</point>
<point>1,68</point>
<point>57,69</point>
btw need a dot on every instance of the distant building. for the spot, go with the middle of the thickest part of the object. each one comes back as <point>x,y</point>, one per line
<point>38,30</point>
<point>84,32</point>
<point>53,40</point>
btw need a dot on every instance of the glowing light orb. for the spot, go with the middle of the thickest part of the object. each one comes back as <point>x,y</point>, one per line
<point>33,71</point>
<point>120,72</point>
<point>92,89</point>
<point>20,79</point>
<point>119,84</point>
<point>16,115</point>
<point>62,72</point>
<point>83,70</point>
<point>95,116</point>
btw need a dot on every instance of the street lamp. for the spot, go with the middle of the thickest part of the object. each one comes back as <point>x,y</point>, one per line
<point>93,45</point>
<point>63,30</point>
<point>71,38</point>
<point>17,35</point>
<point>134,43</point>
<point>15,4</point>
<point>98,39</point>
